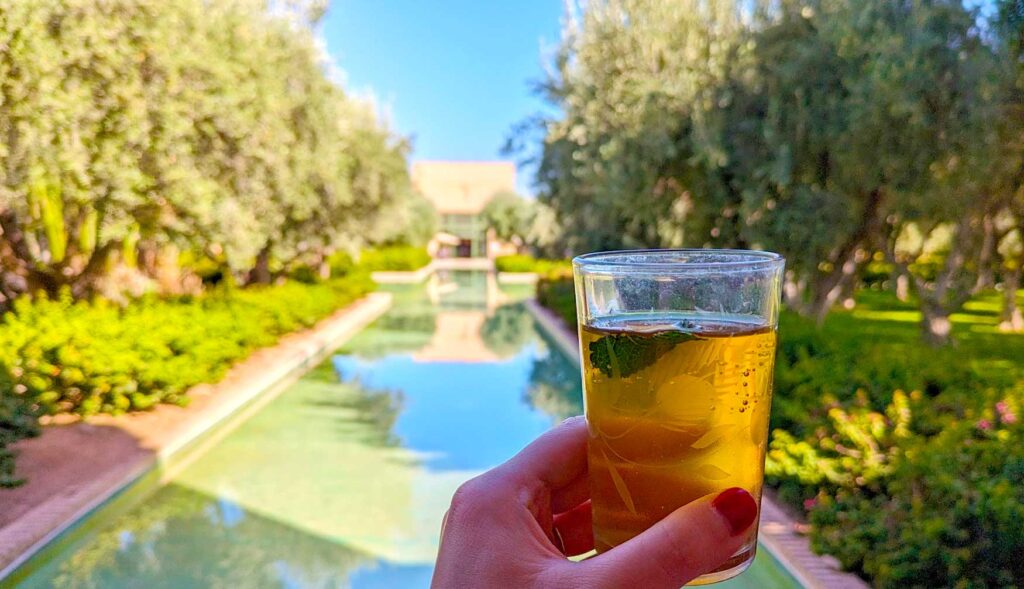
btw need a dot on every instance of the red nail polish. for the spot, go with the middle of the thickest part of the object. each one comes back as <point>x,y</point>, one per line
<point>737,507</point>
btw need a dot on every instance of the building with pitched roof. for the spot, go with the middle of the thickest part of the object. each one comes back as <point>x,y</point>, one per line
<point>460,190</point>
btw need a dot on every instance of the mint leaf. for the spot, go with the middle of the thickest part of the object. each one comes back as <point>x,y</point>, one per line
<point>624,354</point>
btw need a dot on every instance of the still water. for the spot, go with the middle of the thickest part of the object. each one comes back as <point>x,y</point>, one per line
<point>342,479</point>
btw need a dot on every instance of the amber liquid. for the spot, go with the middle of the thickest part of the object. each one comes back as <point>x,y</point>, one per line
<point>677,408</point>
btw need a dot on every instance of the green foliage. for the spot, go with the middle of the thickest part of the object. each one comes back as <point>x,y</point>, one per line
<point>17,420</point>
<point>409,221</point>
<point>394,258</point>
<point>515,263</point>
<point>556,292</point>
<point>908,460</point>
<point>212,127</point>
<point>507,330</point>
<point>624,354</point>
<point>949,514</point>
<point>341,264</point>
<point>555,386</point>
<point>906,488</point>
<point>758,124</point>
<point>509,215</point>
<point>525,263</point>
<point>62,356</point>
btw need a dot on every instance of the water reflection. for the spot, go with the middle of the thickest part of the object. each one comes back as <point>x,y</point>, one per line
<point>554,387</point>
<point>507,329</point>
<point>188,539</point>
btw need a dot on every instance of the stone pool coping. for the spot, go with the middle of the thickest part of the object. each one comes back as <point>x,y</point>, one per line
<point>77,465</point>
<point>779,531</point>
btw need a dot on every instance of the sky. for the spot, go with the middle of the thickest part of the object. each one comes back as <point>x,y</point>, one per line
<point>454,75</point>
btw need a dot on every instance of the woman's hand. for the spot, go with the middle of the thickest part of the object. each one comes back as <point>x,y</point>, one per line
<point>514,526</point>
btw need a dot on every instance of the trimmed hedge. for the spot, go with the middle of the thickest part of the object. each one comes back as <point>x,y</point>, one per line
<point>525,263</point>
<point>907,460</point>
<point>395,258</point>
<point>61,356</point>
<point>556,292</point>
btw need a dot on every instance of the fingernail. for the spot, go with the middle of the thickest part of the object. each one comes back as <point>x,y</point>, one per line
<point>737,507</point>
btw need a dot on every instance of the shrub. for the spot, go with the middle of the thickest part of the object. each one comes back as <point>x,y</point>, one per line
<point>556,292</point>
<point>907,489</point>
<point>908,460</point>
<point>61,356</point>
<point>394,258</point>
<point>524,263</point>
<point>341,264</point>
<point>515,263</point>
<point>17,421</point>
<point>949,515</point>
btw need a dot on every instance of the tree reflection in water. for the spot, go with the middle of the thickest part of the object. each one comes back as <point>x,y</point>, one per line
<point>184,538</point>
<point>507,330</point>
<point>555,385</point>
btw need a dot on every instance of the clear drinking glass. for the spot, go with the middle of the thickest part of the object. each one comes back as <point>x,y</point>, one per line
<point>678,348</point>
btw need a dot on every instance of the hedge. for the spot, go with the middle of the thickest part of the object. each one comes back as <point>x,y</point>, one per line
<point>84,358</point>
<point>396,258</point>
<point>524,263</point>
<point>556,292</point>
<point>907,460</point>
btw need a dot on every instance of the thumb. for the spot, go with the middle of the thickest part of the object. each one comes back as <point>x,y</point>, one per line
<point>692,540</point>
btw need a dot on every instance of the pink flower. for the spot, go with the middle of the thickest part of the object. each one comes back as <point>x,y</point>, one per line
<point>984,424</point>
<point>1005,415</point>
<point>810,503</point>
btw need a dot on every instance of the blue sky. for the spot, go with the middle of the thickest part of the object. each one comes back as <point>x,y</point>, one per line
<point>453,75</point>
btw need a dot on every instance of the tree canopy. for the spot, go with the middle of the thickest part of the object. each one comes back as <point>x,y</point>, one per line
<point>133,126</point>
<point>832,131</point>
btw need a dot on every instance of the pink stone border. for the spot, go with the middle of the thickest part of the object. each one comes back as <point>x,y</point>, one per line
<point>778,532</point>
<point>165,431</point>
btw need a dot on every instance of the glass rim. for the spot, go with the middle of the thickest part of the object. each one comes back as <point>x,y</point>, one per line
<point>745,260</point>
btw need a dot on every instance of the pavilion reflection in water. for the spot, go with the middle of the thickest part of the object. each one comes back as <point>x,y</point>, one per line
<point>465,301</point>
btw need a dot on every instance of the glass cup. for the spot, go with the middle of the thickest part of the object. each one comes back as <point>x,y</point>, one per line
<point>678,349</point>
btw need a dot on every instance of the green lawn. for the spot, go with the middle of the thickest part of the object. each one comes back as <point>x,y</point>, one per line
<point>879,316</point>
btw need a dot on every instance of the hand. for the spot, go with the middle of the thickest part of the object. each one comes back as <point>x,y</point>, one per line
<point>514,526</point>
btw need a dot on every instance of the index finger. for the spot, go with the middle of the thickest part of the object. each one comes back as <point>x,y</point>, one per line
<point>557,458</point>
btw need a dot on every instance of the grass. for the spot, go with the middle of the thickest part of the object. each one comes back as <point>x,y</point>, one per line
<point>878,317</point>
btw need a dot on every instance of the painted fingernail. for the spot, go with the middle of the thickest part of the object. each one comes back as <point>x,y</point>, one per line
<point>737,507</point>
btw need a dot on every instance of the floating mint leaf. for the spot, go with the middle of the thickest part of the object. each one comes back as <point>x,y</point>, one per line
<point>624,354</point>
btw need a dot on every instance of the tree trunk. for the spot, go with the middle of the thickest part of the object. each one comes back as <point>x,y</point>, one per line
<point>793,293</point>
<point>85,281</point>
<point>902,287</point>
<point>260,272</point>
<point>986,256</point>
<point>936,327</point>
<point>1011,318</point>
<point>832,290</point>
